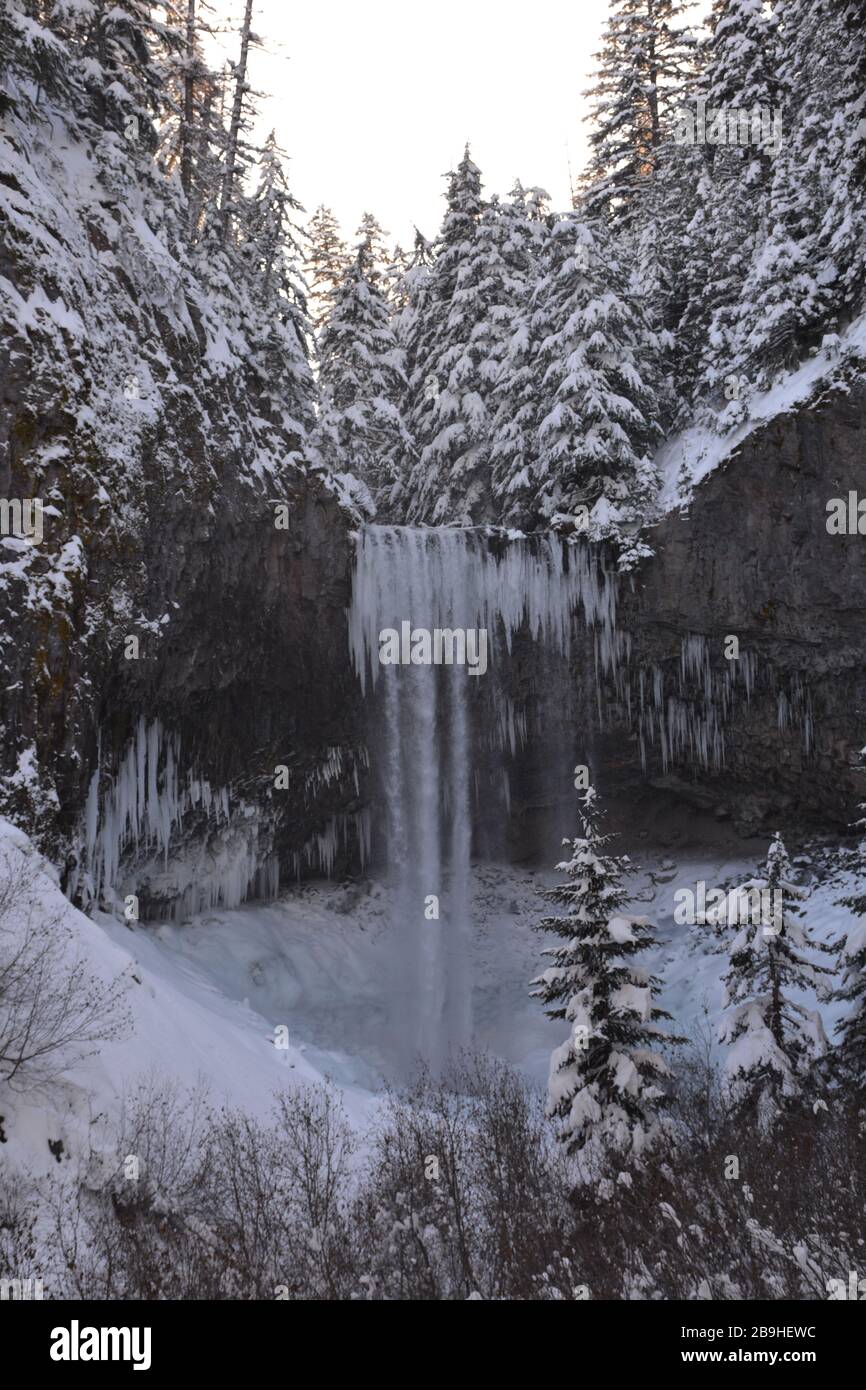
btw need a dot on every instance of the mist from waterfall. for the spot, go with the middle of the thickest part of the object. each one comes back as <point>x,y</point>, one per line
<point>428,725</point>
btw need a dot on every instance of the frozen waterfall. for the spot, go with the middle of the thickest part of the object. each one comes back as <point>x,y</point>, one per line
<point>426,737</point>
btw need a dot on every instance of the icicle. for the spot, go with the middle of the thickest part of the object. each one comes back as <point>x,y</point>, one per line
<point>144,807</point>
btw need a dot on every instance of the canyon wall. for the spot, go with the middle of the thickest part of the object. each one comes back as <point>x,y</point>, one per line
<point>752,558</point>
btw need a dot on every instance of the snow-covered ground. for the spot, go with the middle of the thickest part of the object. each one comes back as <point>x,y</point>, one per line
<point>205,998</point>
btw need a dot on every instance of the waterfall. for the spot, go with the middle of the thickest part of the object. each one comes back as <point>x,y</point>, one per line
<point>429,724</point>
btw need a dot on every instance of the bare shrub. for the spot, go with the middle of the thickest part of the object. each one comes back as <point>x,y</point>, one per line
<point>460,1191</point>
<point>18,1253</point>
<point>315,1148</point>
<point>54,1010</point>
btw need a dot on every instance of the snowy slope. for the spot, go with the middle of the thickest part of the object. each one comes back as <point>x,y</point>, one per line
<point>180,1026</point>
<point>698,450</point>
<point>204,999</point>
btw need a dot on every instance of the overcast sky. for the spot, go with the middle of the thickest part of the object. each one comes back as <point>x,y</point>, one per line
<point>375,99</point>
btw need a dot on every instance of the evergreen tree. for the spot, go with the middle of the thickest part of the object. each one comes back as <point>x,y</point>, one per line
<point>236,150</point>
<point>447,407</point>
<point>372,236</point>
<point>742,77</point>
<point>518,390</point>
<point>187,129</point>
<point>842,233</point>
<point>362,379</point>
<point>600,403</point>
<point>325,264</point>
<point>29,49</point>
<point>271,253</point>
<point>806,273</point>
<point>125,47</point>
<point>851,1052</point>
<point>646,59</point>
<point>407,272</point>
<point>662,256</point>
<point>605,1080</point>
<point>773,1039</point>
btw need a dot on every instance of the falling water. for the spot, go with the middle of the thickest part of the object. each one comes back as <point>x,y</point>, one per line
<point>426,724</point>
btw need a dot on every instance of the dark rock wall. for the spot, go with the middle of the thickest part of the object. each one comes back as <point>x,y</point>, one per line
<point>752,558</point>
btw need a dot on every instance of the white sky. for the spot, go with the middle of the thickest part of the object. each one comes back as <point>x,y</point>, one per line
<point>374,99</point>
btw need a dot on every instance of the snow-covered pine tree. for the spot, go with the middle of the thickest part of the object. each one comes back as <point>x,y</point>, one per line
<point>661,253</point>
<point>34,54</point>
<point>236,152</point>
<point>447,409</point>
<point>842,234</point>
<point>645,62</point>
<point>773,1039</point>
<point>517,392</point>
<point>407,273</point>
<point>188,130</point>
<point>600,422</point>
<point>125,43</point>
<point>371,234</point>
<point>807,271</point>
<point>361,376</point>
<point>742,77</point>
<point>325,263</point>
<point>606,1085</point>
<point>270,253</point>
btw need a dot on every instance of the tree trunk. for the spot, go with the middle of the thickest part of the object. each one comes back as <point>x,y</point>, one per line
<point>235,125</point>
<point>186,134</point>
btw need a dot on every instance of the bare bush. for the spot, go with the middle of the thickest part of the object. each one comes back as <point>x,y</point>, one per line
<point>460,1191</point>
<point>54,1010</point>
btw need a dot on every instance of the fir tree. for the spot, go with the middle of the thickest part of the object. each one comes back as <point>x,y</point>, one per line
<point>325,264</point>
<point>807,269</point>
<point>600,404</point>
<point>518,395</point>
<point>606,1081</point>
<point>371,235</point>
<point>270,253</point>
<point>236,155</point>
<point>447,406</point>
<point>125,46</point>
<point>644,64</point>
<point>361,376</point>
<point>773,1039</point>
<point>188,130</point>
<point>743,77</point>
<point>841,235</point>
<point>407,273</point>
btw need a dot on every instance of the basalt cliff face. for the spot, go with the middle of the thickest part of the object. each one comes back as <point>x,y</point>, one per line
<point>237,667</point>
<point>774,733</point>
<point>175,695</point>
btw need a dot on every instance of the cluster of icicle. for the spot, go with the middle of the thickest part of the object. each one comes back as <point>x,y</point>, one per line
<point>146,805</point>
<point>461,578</point>
<point>351,831</point>
<point>686,717</point>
